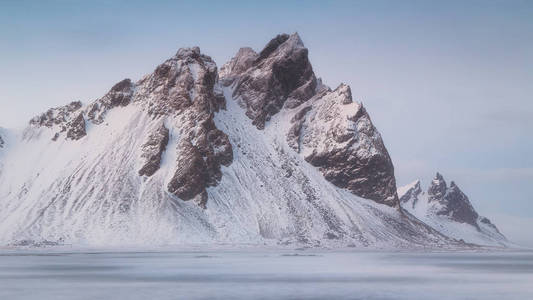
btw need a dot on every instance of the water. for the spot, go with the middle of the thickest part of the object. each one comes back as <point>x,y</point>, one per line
<point>264,274</point>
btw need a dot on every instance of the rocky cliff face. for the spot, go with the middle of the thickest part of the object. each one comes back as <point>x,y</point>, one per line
<point>183,86</point>
<point>152,150</point>
<point>328,128</point>
<point>451,202</point>
<point>410,194</point>
<point>119,95</point>
<point>279,75</point>
<point>335,134</point>
<point>66,120</point>
<point>448,209</point>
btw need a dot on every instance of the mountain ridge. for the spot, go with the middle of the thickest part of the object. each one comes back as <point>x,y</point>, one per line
<point>447,208</point>
<point>258,152</point>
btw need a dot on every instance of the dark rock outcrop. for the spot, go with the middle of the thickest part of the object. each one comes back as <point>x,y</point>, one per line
<point>68,118</point>
<point>56,116</point>
<point>153,149</point>
<point>336,135</point>
<point>452,202</point>
<point>411,195</point>
<point>437,189</point>
<point>488,223</point>
<point>191,176</point>
<point>442,205</point>
<point>120,95</point>
<point>183,87</point>
<point>1,142</point>
<point>281,74</point>
<point>76,128</point>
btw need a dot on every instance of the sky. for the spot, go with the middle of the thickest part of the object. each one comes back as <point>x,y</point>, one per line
<point>449,84</point>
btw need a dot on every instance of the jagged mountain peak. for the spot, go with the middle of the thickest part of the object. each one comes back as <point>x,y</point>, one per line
<point>448,208</point>
<point>279,76</point>
<point>437,188</point>
<point>451,201</point>
<point>333,132</point>
<point>410,193</point>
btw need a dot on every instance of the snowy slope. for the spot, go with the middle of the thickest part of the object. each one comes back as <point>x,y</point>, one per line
<point>450,213</point>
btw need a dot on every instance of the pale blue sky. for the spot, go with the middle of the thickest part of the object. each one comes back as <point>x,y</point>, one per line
<point>448,84</point>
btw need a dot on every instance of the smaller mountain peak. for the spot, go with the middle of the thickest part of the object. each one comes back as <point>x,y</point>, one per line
<point>409,193</point>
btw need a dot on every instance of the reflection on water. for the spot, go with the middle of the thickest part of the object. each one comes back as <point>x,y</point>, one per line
<point>264,274</point>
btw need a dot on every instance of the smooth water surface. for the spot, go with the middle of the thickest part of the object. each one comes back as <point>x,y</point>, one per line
<point>264,274</point>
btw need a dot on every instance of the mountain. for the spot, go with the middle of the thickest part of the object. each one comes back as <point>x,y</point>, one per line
<point>448,210</point>
<point>258,152</point>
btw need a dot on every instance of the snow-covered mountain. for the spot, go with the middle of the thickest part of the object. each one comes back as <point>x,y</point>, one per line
<point>448,210</point>
<point>259,152</point>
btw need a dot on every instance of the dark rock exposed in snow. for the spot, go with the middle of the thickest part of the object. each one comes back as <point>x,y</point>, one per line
<point>152,150</point>
<point>119,95</point>
<point>487,222</point>
<point>443,205</point>
<point>456,205</point>
<point>411,195</point>
<point>280,75</point>
<point>191,176</point>
<point>183,86</point>
<point>437,189</point>
<point>336,134</point>
<point>56,116</point>
<point>76,128</point>
<point>1,142</point>
<point>68,118</point>
<point>452,201</point>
